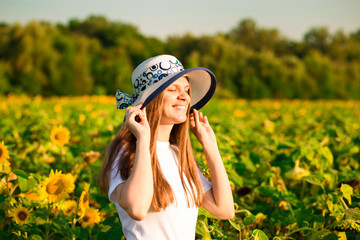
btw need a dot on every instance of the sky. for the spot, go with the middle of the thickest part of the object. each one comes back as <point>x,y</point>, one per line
<point>163,18</point>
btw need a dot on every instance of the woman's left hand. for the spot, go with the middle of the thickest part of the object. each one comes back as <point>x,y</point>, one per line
<point>201,128</point>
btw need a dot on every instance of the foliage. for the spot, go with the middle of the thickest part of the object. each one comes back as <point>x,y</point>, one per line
<point>293,166</point>
<point>96,56</point>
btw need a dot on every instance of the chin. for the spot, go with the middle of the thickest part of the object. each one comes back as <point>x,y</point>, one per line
<point>181,121</point>
<point>177,120</point>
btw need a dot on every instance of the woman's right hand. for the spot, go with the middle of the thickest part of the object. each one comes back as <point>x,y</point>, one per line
<point>139,129</point>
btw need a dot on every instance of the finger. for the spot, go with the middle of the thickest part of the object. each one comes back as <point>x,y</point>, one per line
<point>144,111</point>
<point>139,105</point>
<point>130,111</point>
<point>206,120</point>
<point>192,121</point>
<point>196,114</point>
<point>142,117</point>
<point>201,118</point>
<point>134,115</point>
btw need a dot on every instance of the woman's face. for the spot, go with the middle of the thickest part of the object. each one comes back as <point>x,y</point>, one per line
<point>176,101</point>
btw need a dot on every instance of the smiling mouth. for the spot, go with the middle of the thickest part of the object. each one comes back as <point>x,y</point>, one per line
<point>179,107</point>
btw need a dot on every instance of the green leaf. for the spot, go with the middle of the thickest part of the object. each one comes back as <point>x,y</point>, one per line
<point>315,179</point>
<point>330,203</point>
<point>3,197</point>
<point>352,214</point>
<point>234,176</point>
<point>249,219</point>
<point>26,184</point>
<point>308,152</point>
<point>331,236</point>
<point>36,237</point>
<point>206,235</point>
<point>325,151</point>
<point>237,226</point>
<point>110,220</point>
<point>354,150</point>
<point>76,231</point>
<point>116,233</point>
<point>248,163</point>
<point>347,191</point>
<point>357,195</point>
<point>203,211</point>
<point>4,235</point>
<point>2,214</point>
<point>20,173</point>
<point>259,235</point>
<point>105,228</point>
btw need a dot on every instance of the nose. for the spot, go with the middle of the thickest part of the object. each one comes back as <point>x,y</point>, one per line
<point>183,95</point>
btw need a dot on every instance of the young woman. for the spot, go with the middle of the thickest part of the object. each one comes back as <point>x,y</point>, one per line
<point>149,170</point>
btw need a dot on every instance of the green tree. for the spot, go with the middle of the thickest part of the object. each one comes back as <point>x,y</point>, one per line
<point>318,38</point>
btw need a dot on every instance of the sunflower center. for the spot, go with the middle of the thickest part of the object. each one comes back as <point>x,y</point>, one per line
<point>86,198</point>
<point>55,187</point>
<point>86,219</point>
<point>22,215</point>
<point>60,136</point>
<point>1,152</point>
<point>69,209</point>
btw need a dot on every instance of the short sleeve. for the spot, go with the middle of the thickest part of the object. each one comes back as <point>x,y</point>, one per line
<point>206,185</point>
<point>114,179</point>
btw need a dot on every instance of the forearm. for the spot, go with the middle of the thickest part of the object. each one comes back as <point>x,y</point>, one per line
<point>222,195</point>
<point>137,192</point>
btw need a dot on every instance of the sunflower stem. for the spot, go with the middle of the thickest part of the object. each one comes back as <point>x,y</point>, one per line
<point>90,234</point>
<point>343,202</point>
<point>90,175</point>
<point>47,230</point>
<point>7,179</point>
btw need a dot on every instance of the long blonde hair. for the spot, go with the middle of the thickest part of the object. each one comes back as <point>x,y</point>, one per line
<point>126,142</point>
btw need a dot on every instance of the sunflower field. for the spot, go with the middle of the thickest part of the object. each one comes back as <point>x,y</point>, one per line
<point>294,168</point>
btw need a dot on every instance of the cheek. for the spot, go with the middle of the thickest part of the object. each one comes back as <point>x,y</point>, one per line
<point>166,108</point>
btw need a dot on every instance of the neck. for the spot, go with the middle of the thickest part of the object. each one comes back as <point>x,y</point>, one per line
<point>164,132</point>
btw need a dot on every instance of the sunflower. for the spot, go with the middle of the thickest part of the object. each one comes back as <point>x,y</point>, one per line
<point>84,200</point>
<point>4,154</point>
<point>6,184</point>
<point>69,207</point>
<point>60,135</point>
<point>91,217</point>
<point>82,118</point>
<point>5,167</point>
<point>90,157</point>
<point>47,159</point>
<point>20,214</point>
<point>57,186</point>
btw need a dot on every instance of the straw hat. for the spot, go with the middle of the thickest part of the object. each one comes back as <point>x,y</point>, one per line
<point>155,74</point>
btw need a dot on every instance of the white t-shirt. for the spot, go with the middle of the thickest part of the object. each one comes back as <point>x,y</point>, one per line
<point>177,221</point>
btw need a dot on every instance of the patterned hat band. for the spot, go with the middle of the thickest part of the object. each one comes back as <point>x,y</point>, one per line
<point>123,100</point>
<point>147,78</point>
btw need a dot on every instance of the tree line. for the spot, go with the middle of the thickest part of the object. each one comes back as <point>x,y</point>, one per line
<point>97,56</point>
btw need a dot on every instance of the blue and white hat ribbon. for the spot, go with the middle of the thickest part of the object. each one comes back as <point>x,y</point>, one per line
<point>123,100</point>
